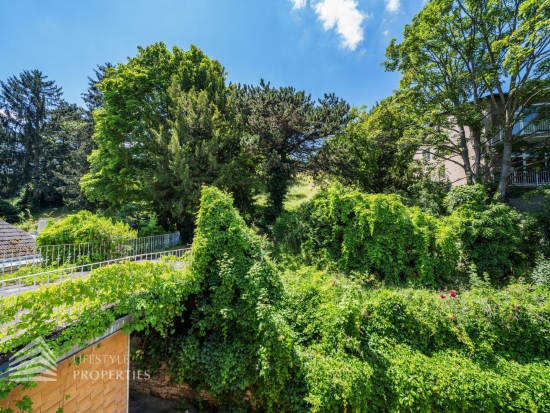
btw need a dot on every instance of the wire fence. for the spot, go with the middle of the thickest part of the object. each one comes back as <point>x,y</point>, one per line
<point>15,259</point>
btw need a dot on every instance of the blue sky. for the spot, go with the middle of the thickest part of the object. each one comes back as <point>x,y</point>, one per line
<point>320,46</point>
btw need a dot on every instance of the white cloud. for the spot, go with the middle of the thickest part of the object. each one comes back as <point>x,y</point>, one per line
<point>386,32</point>
<point>345,17</point>
<point>393,6</point>
<point>298,4</point>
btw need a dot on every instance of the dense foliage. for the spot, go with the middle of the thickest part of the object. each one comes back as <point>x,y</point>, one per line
<point>375,152</point>
<point>85,227</point>
<point>377,234</point>
<point>164,131</point>
<point>44,142</point>
<point>380,236</point>
<point>300,339</point>
<point>286,128</point>
<point>474,195</point>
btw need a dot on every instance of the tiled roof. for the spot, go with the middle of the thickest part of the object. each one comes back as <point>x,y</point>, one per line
<point>14,242</point>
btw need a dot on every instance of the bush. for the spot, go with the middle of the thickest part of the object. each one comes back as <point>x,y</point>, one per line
<point>412,350</point>
<point>489,238</point>
<point>304,340</point>
<point>85,227</point>
<point>377,234</point>
<point>9,213</point>
<point>475,195</point>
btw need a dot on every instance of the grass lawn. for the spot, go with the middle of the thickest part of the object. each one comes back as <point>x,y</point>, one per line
<point>303,190</point>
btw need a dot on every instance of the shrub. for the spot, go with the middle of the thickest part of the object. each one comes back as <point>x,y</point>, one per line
<point>231,341</point>
<point>411,350</point>
<point>9,213</point>
<point>475,195</point>
<point>489,238</point>
<point>151,227</point>
<point>84,227</point>
<point>377,234</point>
<point>305,340</point>
<point>541,272</point>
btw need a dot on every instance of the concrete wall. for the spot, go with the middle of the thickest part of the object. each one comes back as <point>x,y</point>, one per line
<point>98,384</point>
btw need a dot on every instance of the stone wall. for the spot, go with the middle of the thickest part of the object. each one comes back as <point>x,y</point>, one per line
<point>160,386</point>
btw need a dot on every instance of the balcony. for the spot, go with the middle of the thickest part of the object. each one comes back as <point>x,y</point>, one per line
<point>528,129</point>
<point>530,179</point>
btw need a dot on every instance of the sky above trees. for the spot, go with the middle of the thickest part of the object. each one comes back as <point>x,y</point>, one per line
<point>321,46</point>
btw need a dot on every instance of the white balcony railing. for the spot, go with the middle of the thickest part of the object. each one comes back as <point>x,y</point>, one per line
<point>534,178</point>
<point>525,128</point>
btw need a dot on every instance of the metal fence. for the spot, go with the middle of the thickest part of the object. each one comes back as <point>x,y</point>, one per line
<point>47,256</point>
<point>64,314</point>
<point>23,283</point>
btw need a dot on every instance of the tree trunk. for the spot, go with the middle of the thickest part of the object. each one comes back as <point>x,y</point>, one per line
<point>505,168</point>
<point>278,182</point>
<point>465,155</point>
<point>477,155</point>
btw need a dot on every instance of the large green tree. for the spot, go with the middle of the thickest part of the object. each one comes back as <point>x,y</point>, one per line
<point>440,60</point>
<point>163,133</point>
<point>286,128</point>
<point>457,51</point>
<point>27,103</point>
<point>375,152</point>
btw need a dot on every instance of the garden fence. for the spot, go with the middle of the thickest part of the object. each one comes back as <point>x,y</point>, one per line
<point>54,256</point>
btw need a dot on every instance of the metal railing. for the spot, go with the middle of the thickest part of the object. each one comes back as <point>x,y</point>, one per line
<point>534,178</point>
<point>20,284</point>
<point>526,128</point>
<point>66,314</point>
<point>15,258</point>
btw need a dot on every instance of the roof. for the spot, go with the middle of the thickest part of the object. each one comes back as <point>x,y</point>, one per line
<point>14,242</point>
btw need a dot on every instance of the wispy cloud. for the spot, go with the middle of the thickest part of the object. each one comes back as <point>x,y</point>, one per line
<point>344,17</point>
<point>298,4</point>
<point>393,6</point>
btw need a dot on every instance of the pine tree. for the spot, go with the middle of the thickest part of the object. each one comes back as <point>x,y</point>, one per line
<point>287,128</point>
<point>26,104</point>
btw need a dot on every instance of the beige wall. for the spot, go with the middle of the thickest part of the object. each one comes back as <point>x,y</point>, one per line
<point>98,384</point>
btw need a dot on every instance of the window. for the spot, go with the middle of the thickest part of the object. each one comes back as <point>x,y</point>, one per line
<point>426,155</point>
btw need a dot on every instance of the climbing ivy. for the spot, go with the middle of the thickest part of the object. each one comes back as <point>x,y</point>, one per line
<point>301,339</point>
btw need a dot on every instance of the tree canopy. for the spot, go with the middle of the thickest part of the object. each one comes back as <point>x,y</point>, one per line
<point>163,133</point>
<point>286,128</point>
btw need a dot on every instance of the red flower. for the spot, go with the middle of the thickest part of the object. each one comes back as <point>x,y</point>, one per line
<point>453,293</point>
<point>443,296</point>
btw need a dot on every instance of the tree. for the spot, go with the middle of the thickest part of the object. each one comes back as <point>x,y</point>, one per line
<point>11,161</point>
<point>286,129</point>
<point>458,50</point>
<point>163,133</point>
<point>93,98</point>
<point>26,106</point>
<point>69,158</point>
<point>515,41</point>
<point>440,60</point>
<point>76,128</point>
<point>375,151</point>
